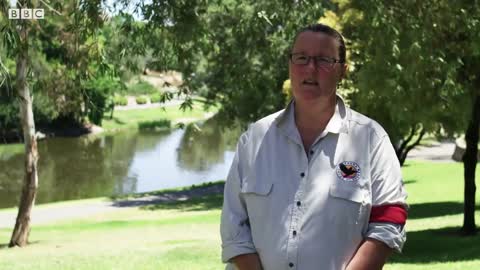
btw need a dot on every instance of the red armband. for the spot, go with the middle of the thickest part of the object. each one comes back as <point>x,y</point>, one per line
<point>392,213</point>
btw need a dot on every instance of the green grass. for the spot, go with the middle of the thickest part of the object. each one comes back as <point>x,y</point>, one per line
<point>8,150</point>
<point>436,206</point>
<point>135,119</point>
<point>185,234</point>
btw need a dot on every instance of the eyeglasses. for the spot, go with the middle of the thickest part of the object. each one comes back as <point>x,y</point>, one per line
<point>320,61</point>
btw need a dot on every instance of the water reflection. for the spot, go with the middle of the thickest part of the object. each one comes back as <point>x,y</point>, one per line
<point>204,146</point>
<point>93,166</point>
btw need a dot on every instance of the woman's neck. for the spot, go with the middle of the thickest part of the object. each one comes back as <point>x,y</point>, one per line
<point>312,118</point>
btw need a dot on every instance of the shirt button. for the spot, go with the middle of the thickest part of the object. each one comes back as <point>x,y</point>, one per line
<point>299,203</point>
<point>311,152</point>
<point>294,233</point>
<point>302,174</point>
<point>290,264</point>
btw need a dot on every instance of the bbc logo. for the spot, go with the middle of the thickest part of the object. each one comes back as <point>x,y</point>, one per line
<point>26,13</point>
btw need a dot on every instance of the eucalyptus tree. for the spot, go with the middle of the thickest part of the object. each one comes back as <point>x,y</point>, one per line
<point>68,30</point>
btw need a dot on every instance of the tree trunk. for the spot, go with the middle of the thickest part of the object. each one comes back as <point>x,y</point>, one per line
<point>469,165</point>
<point>22,225</point>
<point>403,149</point>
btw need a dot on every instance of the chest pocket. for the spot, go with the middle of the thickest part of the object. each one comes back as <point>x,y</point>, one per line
<point>257,195</point>
<point>349,191</point>
<point>350,202</point>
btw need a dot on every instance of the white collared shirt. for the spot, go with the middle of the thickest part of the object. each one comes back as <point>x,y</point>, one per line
<point>311,210</point>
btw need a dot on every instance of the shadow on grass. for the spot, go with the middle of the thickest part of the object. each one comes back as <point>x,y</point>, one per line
<point>409,181</point>
<point>118,121</point>
<point>438,245</point>
<point>195,198</point>
<point>436,209</point>
<point>209,202</point>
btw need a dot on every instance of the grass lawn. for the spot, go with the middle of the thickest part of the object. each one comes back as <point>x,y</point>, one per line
<point>136,118</point>
<point>185,234</point>
<point>8,150</point>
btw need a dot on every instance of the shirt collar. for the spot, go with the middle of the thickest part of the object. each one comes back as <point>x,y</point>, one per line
<point>337,124</point>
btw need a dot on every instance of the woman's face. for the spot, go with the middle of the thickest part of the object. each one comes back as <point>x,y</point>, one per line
<point>311,81</point>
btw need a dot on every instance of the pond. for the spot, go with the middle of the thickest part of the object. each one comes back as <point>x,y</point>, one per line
<point>122,163</point>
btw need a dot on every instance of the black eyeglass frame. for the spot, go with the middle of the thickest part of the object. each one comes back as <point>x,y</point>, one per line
<point>331,60</point>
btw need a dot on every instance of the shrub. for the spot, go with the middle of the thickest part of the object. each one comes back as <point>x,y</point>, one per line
<point>97,94</point>
<point>155,98</point>
<point>141,88</point>
<point>120,101</point>
<point>141,100</point>
<point>158,124</point>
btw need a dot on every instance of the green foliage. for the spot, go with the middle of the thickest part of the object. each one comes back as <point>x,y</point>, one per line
<point>9,108</point>
<point>120,100</point>
<point>43,108</point>
<point>68,51</point>
<point>408,59</point>
<point>155,98</point>
<point>157,124</point>
<point>287,90</point>
<point>141,100</point>
<point>141,88</point>
<point>235,51</point>
<point>125,47</point>
<point>8,111</point>
<point>98,92</point>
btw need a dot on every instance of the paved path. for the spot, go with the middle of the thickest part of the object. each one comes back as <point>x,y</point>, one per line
<point>173,102</point>
<point>438,151</point>
<point>52,213</point>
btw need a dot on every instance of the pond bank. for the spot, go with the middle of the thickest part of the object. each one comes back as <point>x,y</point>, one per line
<point>133,118</point>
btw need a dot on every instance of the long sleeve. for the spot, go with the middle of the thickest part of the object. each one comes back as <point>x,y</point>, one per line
<point>389,207</point>
<point>235,228</point>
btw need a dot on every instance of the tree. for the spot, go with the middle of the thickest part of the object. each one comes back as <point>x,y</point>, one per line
<point>393,50</point>
<point>234,52</point>
<point>415,70</point>
<point>19,33</point>
<point>23,40</point>
<point>68,56</point>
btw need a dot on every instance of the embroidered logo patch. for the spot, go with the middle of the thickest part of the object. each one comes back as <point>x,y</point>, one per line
<point>348,171</point>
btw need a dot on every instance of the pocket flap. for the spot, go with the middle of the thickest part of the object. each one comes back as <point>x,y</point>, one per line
<point>348,192</point>
<point>256,187</point>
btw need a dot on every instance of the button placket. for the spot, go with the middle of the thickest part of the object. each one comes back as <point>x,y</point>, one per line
<point>297,212</point>
<point>292,240</point>
<point>310,154</point>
